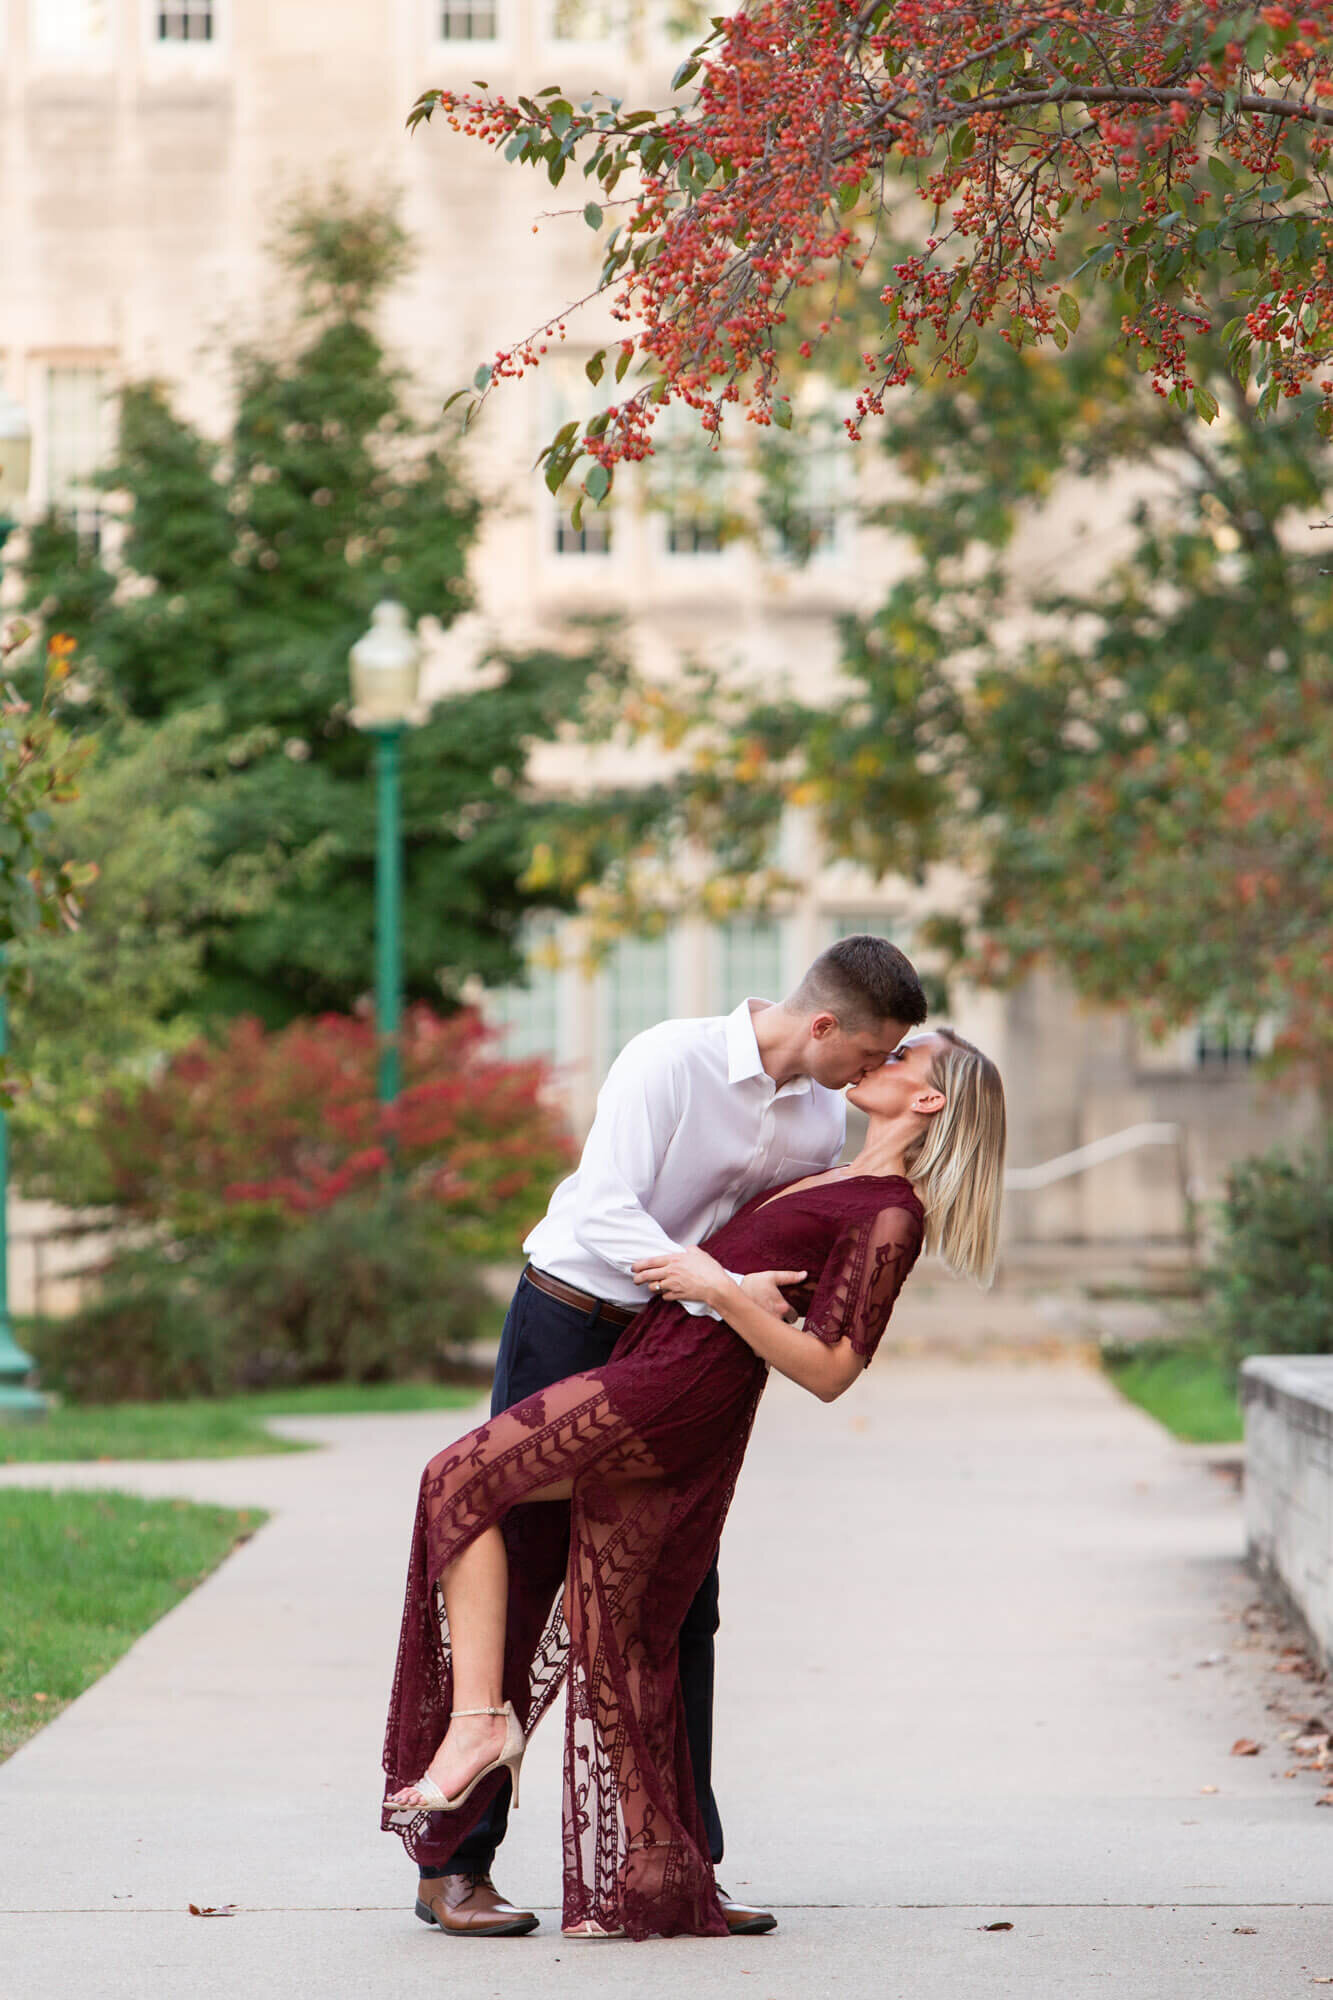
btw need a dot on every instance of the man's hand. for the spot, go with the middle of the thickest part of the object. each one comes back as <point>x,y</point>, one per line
<point>764,1288</point>
<point>686,1274</point>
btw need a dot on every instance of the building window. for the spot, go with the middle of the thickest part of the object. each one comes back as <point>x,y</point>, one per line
<point>77,444</point>
<point>468,21</point>
<point>686,537</point>
<point>692,482</point>
<point>592,539</point>
<point>582,21</point>
<point>638,988</point>
<point>528,1016</point>
<point>807,489</point>
<point>185,21</point>
<point>1227,1041</point>
<point>70,27</point>
<point>749,962</point>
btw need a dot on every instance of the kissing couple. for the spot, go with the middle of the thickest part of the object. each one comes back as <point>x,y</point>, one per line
<point>573,1538</point>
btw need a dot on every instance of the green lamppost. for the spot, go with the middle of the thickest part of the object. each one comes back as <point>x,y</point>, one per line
<point>16,1398</point>
<point>386,667</point>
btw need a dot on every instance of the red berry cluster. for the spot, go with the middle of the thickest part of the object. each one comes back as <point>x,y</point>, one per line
<point>809,115</point>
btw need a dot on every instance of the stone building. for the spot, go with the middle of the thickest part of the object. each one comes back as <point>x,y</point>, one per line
<point>144,148</point>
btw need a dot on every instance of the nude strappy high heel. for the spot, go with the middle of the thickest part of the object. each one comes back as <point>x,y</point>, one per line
<point>510,1759</point>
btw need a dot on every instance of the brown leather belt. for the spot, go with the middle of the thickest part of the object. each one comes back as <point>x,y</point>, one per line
<point>570,1295</point>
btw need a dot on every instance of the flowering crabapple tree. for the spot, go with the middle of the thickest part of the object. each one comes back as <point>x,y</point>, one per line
<point>1194,134</point>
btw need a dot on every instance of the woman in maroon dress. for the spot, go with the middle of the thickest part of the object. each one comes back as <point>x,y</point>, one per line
<point>634,1465</point>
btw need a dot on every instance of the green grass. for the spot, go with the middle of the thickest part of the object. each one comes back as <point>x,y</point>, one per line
<point>1188,1388</point>
<point>83,1575</point>
<point>225,1427</point>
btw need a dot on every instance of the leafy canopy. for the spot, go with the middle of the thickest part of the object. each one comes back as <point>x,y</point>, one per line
<point>1198,129</point>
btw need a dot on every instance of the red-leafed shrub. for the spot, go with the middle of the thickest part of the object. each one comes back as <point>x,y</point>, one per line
<point>256,1132</point>
<point>294,1231</point>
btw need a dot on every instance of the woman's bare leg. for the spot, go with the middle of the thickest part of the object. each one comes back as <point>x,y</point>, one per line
<point>476,1595</point>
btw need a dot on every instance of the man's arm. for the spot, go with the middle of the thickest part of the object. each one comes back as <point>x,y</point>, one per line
<point>825,1369</point>
<point>638,1109</point>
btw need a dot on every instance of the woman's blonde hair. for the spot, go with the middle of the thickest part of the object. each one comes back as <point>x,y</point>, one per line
<point>957,1165</point>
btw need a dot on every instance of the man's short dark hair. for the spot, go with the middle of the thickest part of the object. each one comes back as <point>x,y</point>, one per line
<point>862,980</point>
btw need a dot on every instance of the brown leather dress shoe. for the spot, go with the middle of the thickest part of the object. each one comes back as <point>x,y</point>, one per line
<point>743,1919</point>
<point>470,1906</point>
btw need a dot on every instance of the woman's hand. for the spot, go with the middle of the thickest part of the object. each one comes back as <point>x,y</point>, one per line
<point>686,1274</point>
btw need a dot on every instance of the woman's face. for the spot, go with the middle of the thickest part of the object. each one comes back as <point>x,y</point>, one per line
<point>889,1091</point>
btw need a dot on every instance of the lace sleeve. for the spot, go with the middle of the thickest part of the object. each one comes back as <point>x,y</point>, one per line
<point>862,1277</point>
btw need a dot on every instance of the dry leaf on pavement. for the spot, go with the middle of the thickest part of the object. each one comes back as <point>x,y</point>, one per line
<point>995,1927</point>
<point>210,1910</point>
<point>1245,1746</point>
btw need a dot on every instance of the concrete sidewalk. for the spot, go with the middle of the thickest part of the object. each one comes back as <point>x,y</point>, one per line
<point>959,1683</point>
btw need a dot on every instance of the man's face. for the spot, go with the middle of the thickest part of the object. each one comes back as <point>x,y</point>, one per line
<point>839,1056</point>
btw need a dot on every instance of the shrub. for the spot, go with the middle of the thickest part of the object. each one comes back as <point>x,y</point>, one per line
<point>362,1293</point>
<point>298,1233</point>
<point>1272,1279</point>
<point>251,1135</point>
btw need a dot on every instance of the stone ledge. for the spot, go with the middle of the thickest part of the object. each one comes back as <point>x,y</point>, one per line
<point>1288,1405</point>
<point>1303,1383</point>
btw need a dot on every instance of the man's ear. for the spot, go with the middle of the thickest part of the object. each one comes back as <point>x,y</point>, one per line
<point>824,1025</point>
<point>928,1102</point>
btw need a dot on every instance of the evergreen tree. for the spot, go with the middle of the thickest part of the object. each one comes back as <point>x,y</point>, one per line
<point>247,570</point>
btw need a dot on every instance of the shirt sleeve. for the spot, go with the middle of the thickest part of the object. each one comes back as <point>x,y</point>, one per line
<point>862,1277</point>
<point>638,1109</point>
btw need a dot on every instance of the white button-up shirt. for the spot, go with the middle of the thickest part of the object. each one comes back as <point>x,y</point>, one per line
<point>689,1126</point>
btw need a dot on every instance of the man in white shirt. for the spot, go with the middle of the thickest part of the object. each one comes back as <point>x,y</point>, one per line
<point>694,1118</point>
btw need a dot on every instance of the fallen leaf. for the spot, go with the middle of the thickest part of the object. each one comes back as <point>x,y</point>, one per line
<point>1323,1982</point>
<point>995,1927</point>
<point>41,1697</point>
<point>1243,1930</point>
<point>1245,1746</point>
<point>209,1910</point>
<point>1325,1799</point>
<point>1306,1746</point>
<point>1208,1788</point>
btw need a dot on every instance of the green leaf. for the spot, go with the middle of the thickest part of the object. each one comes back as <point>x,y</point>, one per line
<point>592,215</point>
<point>482,376</point>
<point>1060,335</point>
<point>595,366</point>
<point>963,144</point>
<point>1205,405</point>
<point>688,70</point>
<point>450,400</point>
<point>967,348</point>
<point>622,365</point>
<point>598,483</point>
<point>782,415</point>
<point>1070,311</point>
<point>1223,174</point>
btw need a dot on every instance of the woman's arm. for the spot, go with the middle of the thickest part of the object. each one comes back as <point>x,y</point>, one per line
<point>824,1369</point>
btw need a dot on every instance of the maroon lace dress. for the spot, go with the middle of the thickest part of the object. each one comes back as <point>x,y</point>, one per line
<point>599,1585</point>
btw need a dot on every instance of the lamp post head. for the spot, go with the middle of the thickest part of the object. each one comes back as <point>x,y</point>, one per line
<point>386,671</point>
<point>15,461</point>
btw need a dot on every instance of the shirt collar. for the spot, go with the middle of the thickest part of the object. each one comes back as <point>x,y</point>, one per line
<point>743,1058</point>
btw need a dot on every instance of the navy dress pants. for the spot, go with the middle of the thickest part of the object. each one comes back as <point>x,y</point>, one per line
<point>543,1341</point>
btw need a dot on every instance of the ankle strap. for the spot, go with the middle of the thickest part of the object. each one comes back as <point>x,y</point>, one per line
<point>481,1711</point>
